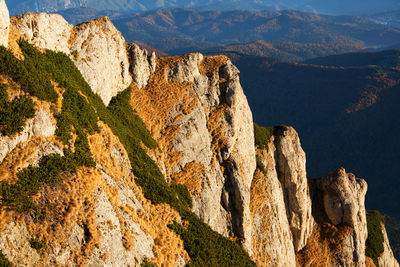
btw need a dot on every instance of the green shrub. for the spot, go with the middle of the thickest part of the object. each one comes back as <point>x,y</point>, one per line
<point>183,194</point>
<point>374,244</point>
<point>37,244</point>
<point>260,164</point>
<point>145,263</point>
<point>29,72</point>
<point>14,113</point>
<point>262,135</point>
<point>208,248</point>
<point>4,262</point>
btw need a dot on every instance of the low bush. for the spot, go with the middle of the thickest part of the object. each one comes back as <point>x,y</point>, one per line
<point>14,113</point>
<point>29,73</point>
<point>374,244</point>
<point>208,248</point>
<point>262,135</point>
<point>183,194</point>
<point>37,244</point>
<point>4,262</point>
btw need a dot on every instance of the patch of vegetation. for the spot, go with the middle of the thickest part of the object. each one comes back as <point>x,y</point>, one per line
<point>14,113</point>
<point>374,244</point>
<point>262,135</point>
<point>208,248</point>
<point>29,73</point>
<point>145,263</point>
<point>183,194</point>
<point>18,196</point>
<point>37,244</point>
<point>260,164</point>
<point>76,112</point>
<point>4,262</point>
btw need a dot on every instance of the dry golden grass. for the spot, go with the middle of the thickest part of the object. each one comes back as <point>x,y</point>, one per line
<point>152,219</point>
<point>13,38</point>
<point>22,156</point>
<point>190,176</point>
<point>259,195</point>
<point>211,65</point>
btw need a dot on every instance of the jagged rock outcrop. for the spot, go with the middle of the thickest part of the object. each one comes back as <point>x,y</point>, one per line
<point>4,23</point>
<point>343,198</point>
<point>96,217</point>
<point>141,64</point>
<point>196,108</point>
<point>271,235</point>
<point>40,125</point>
<point>291,167</point>
<point>98,50</point>
<point>387,258</point>
<point>48,31</point>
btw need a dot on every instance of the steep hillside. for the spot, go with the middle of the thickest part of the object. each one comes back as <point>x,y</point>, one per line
<point>167,171</point>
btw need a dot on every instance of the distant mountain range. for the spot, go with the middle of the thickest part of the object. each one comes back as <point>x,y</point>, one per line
<point>332,7</point>
<point>309,35</point>
<point>345,109</point>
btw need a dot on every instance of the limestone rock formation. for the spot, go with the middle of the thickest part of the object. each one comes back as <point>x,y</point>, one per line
<point>101,215</point>
<point>291,167</point>
<point>98,50</point>
<point>387,258</point>
<point>196,108</point>
<point>4,23</point>
<point>47,31</point>
<point>343,198</point>
<point>40,125</point>
<point>141,64</point>
<point>272,237</point>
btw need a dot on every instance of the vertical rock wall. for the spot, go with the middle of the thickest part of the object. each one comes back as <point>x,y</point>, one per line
<point>272,237</point>
<point>4,23</point>
<point>291,167</point>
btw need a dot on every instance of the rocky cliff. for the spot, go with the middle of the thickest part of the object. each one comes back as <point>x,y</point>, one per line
<point>85,183</point>
<point>97,48</point>
<point>4,24</point>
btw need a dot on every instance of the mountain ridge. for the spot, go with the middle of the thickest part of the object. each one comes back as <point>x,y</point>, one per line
<point>170,170</point>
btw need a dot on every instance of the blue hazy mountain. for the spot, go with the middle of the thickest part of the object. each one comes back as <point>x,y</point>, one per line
<point>332,7</point>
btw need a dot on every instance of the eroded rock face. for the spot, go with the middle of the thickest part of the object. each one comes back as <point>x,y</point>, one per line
<point>272,237</point>
<point>96,47</point>
<point>387,258</point>
<point>40,125</point>
<point>98,50</point>
<point>47,31</point>
<point>343,202</point>
<point>141,64</point>
<point>291,167</point>
<point>202,120</point>
<point>14,242</point>
<point>4,23</point>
